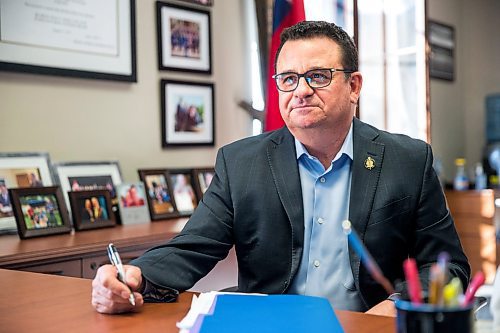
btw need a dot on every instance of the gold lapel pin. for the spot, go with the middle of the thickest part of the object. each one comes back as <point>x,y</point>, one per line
<point>369,163</point>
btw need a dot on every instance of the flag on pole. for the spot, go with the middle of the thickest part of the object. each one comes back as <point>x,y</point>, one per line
<point>285,14</point>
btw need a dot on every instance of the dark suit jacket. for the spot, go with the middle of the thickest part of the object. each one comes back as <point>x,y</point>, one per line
<point>255,203</point>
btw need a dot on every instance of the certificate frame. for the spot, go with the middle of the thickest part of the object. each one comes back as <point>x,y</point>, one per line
<point>107,51</point>
<point>184,38</point>
<point>181,126</point>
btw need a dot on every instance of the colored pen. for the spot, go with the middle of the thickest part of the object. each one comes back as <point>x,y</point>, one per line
<point>474,285</point>
<point>115,259</point>
<point>366,258</point>
<point>411,274</point>
<point>452,292</point>
<point>437,281</point>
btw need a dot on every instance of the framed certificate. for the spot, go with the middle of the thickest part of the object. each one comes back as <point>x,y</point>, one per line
<point>90,39</point>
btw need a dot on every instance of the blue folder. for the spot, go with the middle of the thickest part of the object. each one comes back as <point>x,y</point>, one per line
<point>272,313</point>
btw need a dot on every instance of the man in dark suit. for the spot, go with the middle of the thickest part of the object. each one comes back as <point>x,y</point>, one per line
<point>280,197</point>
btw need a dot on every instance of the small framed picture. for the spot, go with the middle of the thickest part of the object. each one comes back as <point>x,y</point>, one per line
<point>202,179</point>
<point>20,170</point>
<point>442,51</point>
<point>39,211</point>
<point>91,209</point>
<point>187,113</point>
<point>184,42</point>
<point>158,193</point>
<point>183,191</point>
<point>87,176</point>
<point>133,203</point>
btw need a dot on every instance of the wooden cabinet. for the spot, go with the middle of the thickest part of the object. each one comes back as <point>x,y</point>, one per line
<point>80,254</point>
<point>475,218</point>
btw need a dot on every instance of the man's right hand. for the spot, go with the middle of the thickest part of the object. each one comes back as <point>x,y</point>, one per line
<point>109,295</point>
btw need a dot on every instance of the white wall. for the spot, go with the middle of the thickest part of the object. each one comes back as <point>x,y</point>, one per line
<point>81,120</point>
<point>457,108</point>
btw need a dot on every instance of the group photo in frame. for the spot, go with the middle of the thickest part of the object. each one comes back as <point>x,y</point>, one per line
<point>40,211</point>
<point>91,209</point>
<point>187,113</point>
<point>183,191</point>
<point>184,38</point>
<point>20,170</point>
<point>202,179</point>
<point>52,40</point>
<point>86,176</point>
<point>158,193</point>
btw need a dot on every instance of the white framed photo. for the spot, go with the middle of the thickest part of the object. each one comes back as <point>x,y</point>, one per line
<point>87,176</point>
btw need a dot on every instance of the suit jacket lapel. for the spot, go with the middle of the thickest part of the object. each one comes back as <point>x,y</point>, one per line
<point>283,164</point>
<point>364,182</point>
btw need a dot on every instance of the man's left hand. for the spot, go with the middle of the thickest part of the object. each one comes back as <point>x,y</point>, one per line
<point>384,308</point>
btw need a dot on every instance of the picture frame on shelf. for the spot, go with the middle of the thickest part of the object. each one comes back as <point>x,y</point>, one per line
<point>133,203</point>
<point>89,175</point>
<point>184,38</point>
<point>187,113</point>
<point>39,211</point>
<point>91,209</point>
<point>202,179</point>
<point>19,170</point>
<point>86,39</point>
<point>158,193</point>
<point>183,191</point>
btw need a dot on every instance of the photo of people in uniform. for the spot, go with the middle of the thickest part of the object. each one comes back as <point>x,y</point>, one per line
<point>184,38</point>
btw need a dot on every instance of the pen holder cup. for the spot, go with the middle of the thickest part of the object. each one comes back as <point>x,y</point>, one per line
<point>427,318</point>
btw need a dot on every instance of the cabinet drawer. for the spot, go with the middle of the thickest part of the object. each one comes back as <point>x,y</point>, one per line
<point>66,268</point>
<point>90,265</point>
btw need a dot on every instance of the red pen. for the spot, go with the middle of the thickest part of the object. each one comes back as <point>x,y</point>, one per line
<point>413,281</point>
<point>474,285</point>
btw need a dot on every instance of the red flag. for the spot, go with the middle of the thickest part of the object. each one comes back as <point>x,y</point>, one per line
<point>286,13</point>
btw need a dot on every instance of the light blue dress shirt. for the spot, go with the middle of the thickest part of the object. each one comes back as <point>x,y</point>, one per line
<point>325,269</point>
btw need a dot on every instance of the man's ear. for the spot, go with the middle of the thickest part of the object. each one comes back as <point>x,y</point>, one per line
<point>355,82</point>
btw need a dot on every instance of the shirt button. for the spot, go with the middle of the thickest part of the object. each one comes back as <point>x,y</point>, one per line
<point>322,179</point>
<point>320,220</point>
<point>316,263</point>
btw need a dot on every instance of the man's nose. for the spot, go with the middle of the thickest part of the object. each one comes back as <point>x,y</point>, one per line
<point>303,89</point>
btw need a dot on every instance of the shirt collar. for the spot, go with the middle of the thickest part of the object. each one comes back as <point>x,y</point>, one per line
<point>347,147</point>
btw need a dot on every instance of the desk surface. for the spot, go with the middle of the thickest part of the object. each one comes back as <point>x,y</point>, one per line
<point>32,302</point>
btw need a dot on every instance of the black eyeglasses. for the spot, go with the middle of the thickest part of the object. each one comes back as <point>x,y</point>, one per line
<point>315,78</point>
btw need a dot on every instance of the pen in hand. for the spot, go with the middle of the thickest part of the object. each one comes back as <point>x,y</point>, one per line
<point>115,259</point>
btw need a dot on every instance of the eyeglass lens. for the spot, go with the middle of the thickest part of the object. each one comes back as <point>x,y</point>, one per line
<point>316,78</point>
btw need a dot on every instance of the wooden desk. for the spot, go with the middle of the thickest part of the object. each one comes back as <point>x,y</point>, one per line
<point>32,302</point>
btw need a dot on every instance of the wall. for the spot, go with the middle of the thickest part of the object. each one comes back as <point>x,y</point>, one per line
<point>82,120</point>
<point>457,108</point>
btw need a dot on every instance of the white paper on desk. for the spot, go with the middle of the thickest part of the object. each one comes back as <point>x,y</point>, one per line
<point>201,306</point>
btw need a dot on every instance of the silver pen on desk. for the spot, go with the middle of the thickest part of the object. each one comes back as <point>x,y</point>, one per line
<point>115,259</point>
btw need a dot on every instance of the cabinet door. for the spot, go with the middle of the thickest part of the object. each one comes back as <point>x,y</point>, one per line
<point>66,268</point>
<point>90,265</point>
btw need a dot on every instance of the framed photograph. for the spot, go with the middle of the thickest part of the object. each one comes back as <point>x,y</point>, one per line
<point>87,176</point>
<point>133,203</point>
<point>89,39</point>
<point>39,211</point>
<point>202,179</point>
<point>183,191</point>
<point>187,112</point>
<point>442,51</point>
<point>18,170</point>
<point>158,193</point>
<point>201,2</point>
<point>91,209</point>
<point>184,42</point>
